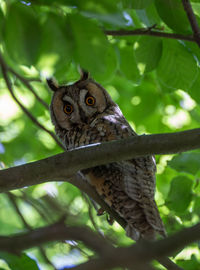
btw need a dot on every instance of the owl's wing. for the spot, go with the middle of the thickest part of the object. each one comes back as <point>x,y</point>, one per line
<point>139,184</point>
<point>139,178</point>
<point>139,173</point>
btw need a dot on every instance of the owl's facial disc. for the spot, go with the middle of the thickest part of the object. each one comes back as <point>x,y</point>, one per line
<point>78,104</point>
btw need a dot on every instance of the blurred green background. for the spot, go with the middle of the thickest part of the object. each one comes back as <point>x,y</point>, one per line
<point>154,80</point>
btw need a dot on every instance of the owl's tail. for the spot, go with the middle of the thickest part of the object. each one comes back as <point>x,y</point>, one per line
<point>148,225</point>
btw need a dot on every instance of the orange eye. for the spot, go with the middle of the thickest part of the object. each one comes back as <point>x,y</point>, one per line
<point>90,101</point>
<point>68,109</point>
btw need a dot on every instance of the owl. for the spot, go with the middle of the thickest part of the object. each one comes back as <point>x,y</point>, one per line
<point>83,113</point>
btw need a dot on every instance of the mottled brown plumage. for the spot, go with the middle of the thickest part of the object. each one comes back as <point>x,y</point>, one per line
<point>83,113</point>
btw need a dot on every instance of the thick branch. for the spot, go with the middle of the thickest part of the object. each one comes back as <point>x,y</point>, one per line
<point>138,254</point>
<point>143,252</point>
<point>55,232</point>
<point>193,21</point>
<point>62,166</point>
<point>148,32</point>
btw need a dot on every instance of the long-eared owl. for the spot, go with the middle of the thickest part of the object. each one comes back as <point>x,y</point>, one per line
<point>83,113</point>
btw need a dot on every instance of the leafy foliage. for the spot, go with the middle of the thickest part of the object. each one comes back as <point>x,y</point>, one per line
<point>154,80</point>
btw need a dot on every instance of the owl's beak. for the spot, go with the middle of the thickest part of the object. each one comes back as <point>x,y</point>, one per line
<point>83,117</point>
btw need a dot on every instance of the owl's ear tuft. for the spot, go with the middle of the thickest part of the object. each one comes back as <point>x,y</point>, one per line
<point>84,74</point>
<point>52,83</point>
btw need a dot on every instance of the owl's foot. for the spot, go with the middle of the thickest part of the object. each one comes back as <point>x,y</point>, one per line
<point>110,219</point>
<point>100,212</point>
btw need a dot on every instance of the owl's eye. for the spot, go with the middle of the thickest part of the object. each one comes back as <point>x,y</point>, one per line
<point>68,108</point>
<point>90,101</point>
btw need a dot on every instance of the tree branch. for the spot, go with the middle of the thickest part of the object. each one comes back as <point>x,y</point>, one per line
<point>54,168</point>
<point>192,19</point>
<point>55,232</point>
<point>143,252</point>
<point>148,32</point>
<point>139,254</point>
<point>65,165</point>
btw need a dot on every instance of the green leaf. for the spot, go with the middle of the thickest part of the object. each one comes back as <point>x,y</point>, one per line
<point>188,162</point>
<point>196,207</point>
<point>194,90</point>
<point>109,68</point>
<point>190,264</point>
<point>151,16</point>
<point>109,20</point>
<point>147,102</point>
<point>128,64</point>
<point>177,68</point>
<point>2,21</point>
<point>22,34</point>
<point>163,181</point>
<point>90,44</point>
<point>103,6</point>
<point>173,14</point>
<point>56,45</point>
<point>180,195</point>
<point>48,3</point>
<point>137,4</point>
<point>148,51</point>
<point>22,262</point>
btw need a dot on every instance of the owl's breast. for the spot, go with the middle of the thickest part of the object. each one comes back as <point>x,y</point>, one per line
<point>107,180</point>
<point>100,130</point>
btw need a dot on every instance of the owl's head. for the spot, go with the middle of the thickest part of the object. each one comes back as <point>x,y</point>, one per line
<point>79,103</point>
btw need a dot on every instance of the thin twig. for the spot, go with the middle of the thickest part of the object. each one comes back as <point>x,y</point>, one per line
<point>14,203</point>
<point>90,212</point>
<point>36,205</point>
<point>56,232</point>
<point>63,166</point>
<point>148,32</point>
<point>12,199</point>
<point>24,109</point>
<point>193,21</point>
<point>26,82</point>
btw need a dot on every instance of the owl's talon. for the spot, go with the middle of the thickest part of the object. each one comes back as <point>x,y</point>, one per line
<point>110,219</point>
<point>100,212</point>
